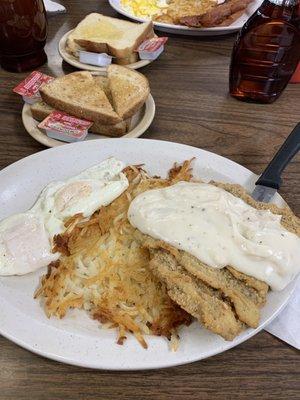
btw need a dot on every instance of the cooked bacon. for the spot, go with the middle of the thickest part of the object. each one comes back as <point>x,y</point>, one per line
<point>232,18</point>
<point>217,15</point>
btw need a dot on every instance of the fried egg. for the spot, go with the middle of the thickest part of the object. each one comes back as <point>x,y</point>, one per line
<point>26,239</point>
<point>145,8</point>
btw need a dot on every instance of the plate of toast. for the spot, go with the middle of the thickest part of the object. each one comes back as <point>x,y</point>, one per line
<point>195,18</point>
<point>98,34</point>
<point>118,104</point>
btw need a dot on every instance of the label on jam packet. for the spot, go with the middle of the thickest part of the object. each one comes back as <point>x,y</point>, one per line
<point>61,126</point>
<point>29,87</point>
<point>150,49</point>
<point>153,44</point>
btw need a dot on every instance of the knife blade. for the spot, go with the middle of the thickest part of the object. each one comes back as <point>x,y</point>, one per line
<point>263,193</point>
<point>270,180</point>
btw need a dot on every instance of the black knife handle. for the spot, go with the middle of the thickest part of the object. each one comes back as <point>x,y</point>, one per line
<point>271,177</point>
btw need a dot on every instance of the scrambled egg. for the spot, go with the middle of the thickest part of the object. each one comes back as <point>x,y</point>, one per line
<point>145,8</point>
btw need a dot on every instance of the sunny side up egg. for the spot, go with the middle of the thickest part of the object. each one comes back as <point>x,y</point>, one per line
<point>26,238</point>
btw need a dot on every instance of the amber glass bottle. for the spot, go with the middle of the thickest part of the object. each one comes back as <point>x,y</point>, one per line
<point>266,52</point>
<point>23,32</point>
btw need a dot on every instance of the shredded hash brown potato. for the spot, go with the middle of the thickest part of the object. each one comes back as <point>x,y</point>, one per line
<point>104,270</point>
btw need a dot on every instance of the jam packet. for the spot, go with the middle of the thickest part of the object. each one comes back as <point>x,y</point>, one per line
<point>29,88</point>
<point>150,49</point>
<point>64,127</point>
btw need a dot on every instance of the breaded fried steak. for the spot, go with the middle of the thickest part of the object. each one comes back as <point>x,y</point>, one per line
<point>225,300</point>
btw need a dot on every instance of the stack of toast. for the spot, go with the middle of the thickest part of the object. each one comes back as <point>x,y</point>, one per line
<point>118,38</point>
<point>109,102</point>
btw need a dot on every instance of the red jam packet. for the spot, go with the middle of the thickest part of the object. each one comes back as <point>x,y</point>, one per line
<point>150,49</point>
<point>29,88</point>
<point>61,126</point>
<point>296,76</point>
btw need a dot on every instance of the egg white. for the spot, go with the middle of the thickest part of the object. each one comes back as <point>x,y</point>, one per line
<point>26,239</point>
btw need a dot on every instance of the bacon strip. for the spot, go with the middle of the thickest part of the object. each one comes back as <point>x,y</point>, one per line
<point>227,12</point>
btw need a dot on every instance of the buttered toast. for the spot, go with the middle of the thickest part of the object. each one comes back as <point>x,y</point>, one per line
<point>118,38</point>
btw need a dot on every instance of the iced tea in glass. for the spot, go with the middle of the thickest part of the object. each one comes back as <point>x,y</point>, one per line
<point>23,32</point>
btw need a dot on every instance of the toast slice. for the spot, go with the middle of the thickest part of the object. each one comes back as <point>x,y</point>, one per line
<point>129,90</point>
<point>77,94</point>
<point>100,34</point>
<point>103,82</point>
<point>41,110</point>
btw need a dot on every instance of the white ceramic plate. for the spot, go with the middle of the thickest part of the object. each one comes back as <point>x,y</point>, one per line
<point>139,124</point>
<point>76,339</point>
<point>184,30</point>
<point>70,59</point>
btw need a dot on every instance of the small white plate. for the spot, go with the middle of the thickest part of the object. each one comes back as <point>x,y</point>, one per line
<point>185,30</point>
<point>70,59</point>
<point>139,124</point>
<point>77,339</point>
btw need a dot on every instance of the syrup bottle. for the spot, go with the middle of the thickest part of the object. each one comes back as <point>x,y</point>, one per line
<point>266,52</point>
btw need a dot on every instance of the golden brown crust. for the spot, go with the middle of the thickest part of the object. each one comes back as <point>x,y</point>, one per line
<point>76,94</point>
<point>195,297</point>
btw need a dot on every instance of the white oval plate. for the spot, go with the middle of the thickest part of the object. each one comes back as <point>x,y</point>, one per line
<point>77,339</point>
<point>139,124</point>
<point>185,30</point>
<point>70,59</point>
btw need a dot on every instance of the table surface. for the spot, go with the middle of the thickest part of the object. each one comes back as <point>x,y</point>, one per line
<point>189,83</point>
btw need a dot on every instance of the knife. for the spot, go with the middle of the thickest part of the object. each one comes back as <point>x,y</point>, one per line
<point>270,180</point>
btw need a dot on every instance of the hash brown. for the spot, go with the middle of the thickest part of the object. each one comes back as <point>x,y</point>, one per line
<point>104,271</point>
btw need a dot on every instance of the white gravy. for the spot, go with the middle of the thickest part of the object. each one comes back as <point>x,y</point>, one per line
<point>219,229</point>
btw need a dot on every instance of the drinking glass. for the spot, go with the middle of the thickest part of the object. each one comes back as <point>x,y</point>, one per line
<point>23,33</point>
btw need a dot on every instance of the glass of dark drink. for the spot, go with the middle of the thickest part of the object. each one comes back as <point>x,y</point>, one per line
<point>23,33</point>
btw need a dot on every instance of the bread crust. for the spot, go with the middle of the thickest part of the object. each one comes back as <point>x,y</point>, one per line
<point>117,130</point>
